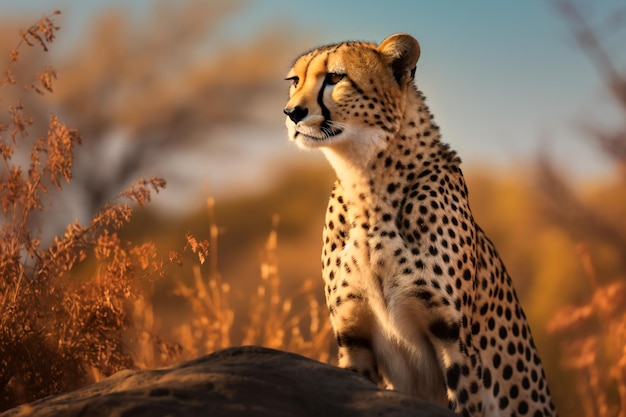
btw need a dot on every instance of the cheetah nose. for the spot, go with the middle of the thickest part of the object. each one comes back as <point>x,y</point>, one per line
<point>297,113</point>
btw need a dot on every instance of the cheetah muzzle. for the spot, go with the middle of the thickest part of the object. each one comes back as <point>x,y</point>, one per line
<point>419,299</point>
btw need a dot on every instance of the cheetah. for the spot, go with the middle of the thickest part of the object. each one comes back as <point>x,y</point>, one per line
<point>419,299</point>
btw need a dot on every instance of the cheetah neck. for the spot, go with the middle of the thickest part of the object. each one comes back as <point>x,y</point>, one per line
<point>351,158</point>
<point>366,165</point>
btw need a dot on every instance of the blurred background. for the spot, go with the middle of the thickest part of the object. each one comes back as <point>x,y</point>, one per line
<point>531,94</point>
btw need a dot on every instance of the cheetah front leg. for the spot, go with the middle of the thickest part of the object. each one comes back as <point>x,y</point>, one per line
<point>453,358</point>
<point>350,314</point>
<point>462,368</point>
<point>352,323</point>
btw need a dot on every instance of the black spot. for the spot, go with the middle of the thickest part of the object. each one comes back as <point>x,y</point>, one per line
<point>534,396</point>
<point>474,387</point>
<point>444,331</point>
<point>483,309</point>
<point>487,378</point>
<point>511,348</point>
<point>463,396</point>
<point>345,340</point>
<point>391,188</point>
<point>522,407</point>
<point>437,270</point>
<point>496,360</point>
<point>424,295</point>
<point>483,342</point>
<point>507,372</point>
<point>452,375</point>
<point>386,217</point>
<point>504,403</point>
<point>503,333</point>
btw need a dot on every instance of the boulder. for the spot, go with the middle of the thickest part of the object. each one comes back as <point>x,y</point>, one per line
<point>239,381</point>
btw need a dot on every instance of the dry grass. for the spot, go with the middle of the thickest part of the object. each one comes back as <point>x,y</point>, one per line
<point>593,344</point>
<point>296,323</point>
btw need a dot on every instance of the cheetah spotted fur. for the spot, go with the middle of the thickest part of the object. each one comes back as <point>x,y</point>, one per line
<point>419,298</point>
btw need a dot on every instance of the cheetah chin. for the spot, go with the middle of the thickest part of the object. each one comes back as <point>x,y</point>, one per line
<point>315,134</point>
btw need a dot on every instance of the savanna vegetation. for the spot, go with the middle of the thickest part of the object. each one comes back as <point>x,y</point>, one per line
<point>131,287</point>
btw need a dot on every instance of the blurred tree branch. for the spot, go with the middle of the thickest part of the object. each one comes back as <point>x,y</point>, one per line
<point>591,44</point>
<point>164,85</point>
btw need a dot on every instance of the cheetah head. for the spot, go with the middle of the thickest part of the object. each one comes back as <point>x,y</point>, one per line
<point>350,97</point>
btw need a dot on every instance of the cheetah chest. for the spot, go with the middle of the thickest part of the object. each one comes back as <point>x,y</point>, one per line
<point>374,297</point>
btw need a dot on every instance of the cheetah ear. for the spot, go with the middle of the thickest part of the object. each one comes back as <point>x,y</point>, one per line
<point>401,52</point>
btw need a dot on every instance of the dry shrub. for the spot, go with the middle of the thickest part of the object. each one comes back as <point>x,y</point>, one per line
<point>59,332</point>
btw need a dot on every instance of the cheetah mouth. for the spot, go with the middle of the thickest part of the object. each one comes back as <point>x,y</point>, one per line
<point>319,137</point>
<point>320,134</point>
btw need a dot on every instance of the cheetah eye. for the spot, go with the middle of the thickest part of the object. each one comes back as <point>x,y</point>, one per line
<point>333,78</point>
<point>294,80</point>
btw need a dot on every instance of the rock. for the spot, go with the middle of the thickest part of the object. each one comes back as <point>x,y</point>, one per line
<point>241,381</point>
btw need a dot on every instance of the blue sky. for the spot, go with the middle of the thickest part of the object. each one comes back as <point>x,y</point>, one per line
<point>503,78</point>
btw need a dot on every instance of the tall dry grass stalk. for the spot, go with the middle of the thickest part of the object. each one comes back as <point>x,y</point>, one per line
<point>59,332</point>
